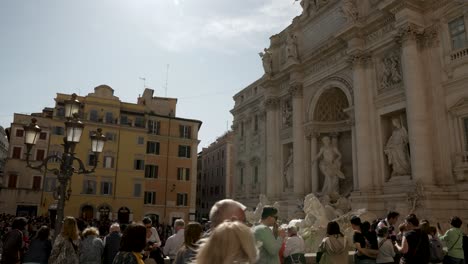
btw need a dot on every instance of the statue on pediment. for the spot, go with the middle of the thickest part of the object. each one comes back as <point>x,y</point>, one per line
<point>350,11</point>
<point>291,47</point>
<point>267,60</point>
<point>397,150</point>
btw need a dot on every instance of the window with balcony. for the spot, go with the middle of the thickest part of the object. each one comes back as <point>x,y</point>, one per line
<point>150,197</point>
<point>458,33</point>
<point>152,147</point>
<point>36,185</point>
<point>60,131</point>
<point>139,122</point>
<point>182,199</point>
<point>151,171</point>
<point>185,131</point>
<point>124,121</point>
<point>16,153</point>
<point>110,136</point>
<point>139,164</point>
<point>184,151</point>
<point>183,174</point>
<point>154,127</point>
<point>106,188</point>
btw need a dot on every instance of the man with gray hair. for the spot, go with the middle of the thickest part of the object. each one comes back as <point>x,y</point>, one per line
<point>111,244</point>
<point>175,241</point>
<point>226,209</point>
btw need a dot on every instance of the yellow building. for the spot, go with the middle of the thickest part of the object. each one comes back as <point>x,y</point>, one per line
<point>145,168</point>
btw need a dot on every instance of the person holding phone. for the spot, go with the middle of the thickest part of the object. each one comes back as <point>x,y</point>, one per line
<point>271,240</point>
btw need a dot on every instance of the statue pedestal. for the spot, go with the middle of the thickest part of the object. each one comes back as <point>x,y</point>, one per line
<point>399,179</point>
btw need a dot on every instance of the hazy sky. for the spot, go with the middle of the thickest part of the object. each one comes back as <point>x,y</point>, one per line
<point>65,46</point>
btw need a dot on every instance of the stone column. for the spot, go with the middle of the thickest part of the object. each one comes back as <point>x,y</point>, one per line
<point>417,111</point>
<point>271,105</point>
<point>314,165</point>
<point>307,166</point>
<point>362,103</point>
<point>298,139</point>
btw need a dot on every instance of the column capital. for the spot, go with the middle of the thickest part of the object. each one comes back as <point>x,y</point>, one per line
<point>359,60</point>
<point>430,36</point>
<point>295,90</point>
<point>271,103</point>
<point>409,33</point>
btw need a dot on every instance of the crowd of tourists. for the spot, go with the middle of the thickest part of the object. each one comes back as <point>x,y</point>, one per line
<point>231,240</point>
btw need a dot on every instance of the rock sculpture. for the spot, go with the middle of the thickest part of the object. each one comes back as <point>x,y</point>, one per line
<point>287,114</point>
<point>330,166</point>
<point>350,11</point>
<point>291,47</point>
<point>288,171</point>
<point>397,150</point>
<point>391,72</point>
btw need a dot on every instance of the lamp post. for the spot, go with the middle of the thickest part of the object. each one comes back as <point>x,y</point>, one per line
<point>73,131</point>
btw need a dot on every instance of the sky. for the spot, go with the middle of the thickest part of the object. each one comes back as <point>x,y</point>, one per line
<point>65,46</point>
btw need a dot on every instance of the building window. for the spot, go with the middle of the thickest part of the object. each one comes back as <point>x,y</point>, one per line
<point>137,190</point>
<point>182,199</point>
<point>139,164</point>
<point>255,174</point>
<point>139,121</point>
<point>93,116</point>
<point>60,131</point>
<point>40,154</point>
<point>154,127</point>
<point>61,112</point>
<point>108,162</point>
<point>184,151</point>
<point>465,125</point>
<point>36,182</point>
<point>92,159</point>
<point>12,179</point>
<point>57,155</point>
<point>151,171</point>
<point>111,136</point>
<point>183,174</point>
<point>19,132</point>
<point>106,188</point>
<point>140,140</point>
<point>124,121</point>
<point>89,186</point>
<point>185,131</point>
<point>150,197</point>
<point>50,184</point>
<point>16,153</point>
<point>457,33</point>
<point>152,147</point>
<point>43,135</point>
<point>109,118</point>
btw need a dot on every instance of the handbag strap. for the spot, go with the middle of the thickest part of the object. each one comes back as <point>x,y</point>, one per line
<point>382,242</point>
<point>453,245</point>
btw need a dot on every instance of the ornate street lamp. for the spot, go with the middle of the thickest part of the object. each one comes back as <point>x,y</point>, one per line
<point>73,131</point>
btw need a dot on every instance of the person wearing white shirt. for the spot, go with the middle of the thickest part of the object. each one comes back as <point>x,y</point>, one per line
<point>294,244</point>
<point>175,241</point>
<point>386,249</point>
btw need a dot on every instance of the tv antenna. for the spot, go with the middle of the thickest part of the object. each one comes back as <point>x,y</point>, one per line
<point>144,81</point>
<point>167,79</point>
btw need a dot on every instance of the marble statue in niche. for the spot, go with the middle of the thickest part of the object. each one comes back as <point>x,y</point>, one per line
<point>391,72</point>
<point>330,166</point>
<point>287,114</point>
<point>267,60</point>
<point>288,171</point>
<point>396,150</point>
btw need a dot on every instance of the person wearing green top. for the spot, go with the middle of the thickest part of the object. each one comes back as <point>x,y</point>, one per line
<point>270,241</point>
<point>453,239</point>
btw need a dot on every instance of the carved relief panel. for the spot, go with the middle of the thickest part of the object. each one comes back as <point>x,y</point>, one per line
<point>389,72</point>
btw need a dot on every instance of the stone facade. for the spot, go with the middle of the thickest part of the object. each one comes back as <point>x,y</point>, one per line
<point>3,150</point>
<point>385,81</point>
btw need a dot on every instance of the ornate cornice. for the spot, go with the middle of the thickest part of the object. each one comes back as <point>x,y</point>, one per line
<point>360,60</point>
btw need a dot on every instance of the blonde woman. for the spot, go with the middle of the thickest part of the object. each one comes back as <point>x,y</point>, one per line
<point>65,249</point>
<point>91,247</point>
<point>230,242</point>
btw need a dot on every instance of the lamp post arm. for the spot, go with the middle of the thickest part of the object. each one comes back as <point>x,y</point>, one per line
<point>44,163</point>
<point>82,169</point>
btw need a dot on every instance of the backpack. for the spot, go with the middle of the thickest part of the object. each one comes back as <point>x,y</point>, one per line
<point>436,251</point>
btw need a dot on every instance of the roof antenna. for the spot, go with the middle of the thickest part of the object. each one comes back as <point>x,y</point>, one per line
<point>167,79</point>
<point>144,82</point>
